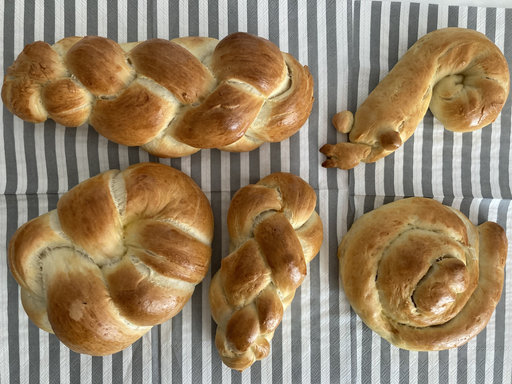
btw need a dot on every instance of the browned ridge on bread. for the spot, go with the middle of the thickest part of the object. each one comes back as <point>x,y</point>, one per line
<point>122,252</point>
<point>275,231</point>
<point>421,275</point>
<point>458,73</point>
<point>170,97</point>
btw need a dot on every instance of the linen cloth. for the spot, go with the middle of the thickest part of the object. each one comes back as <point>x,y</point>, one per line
<point>349,47</point>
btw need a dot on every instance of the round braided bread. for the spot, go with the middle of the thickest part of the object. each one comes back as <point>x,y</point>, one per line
<point>170,97</point>
<point>421,275</point>
<point>275,231</point>
<point>122,252</point>
<point>458,73</point>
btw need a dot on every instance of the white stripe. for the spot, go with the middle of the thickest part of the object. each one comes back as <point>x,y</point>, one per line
<point>206,320</point>
<point>223,19</point>
<point>122,23</point>
<point>363,83</point>
<point>4,273</point>
<point>225,200</point>
<point>80,18</point>
<point>23,319</point>
<point>102,18</point>
<point>343,66</point>
<point>127,365</point>
<point>303,59</point>
<point>433,367</point>
<point>85,369</point>
<point>3,168</point>
<point>324,290</point>
<point>186,343</point>
<point>344,318</point>
<point>19,140</point>
<point>166,352</point>
<point>142,20</point>
<point>283,46</point>
<point>507,355</point>
<point>242,16</point>
<point>322,90</point>
<point>162,19</point>
<point>203,18</point>
<point>147,367</point>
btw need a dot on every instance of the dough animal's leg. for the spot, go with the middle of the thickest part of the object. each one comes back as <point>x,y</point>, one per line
<point>344,155</point>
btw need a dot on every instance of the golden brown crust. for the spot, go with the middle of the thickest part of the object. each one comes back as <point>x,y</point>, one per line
<point>421,275</point>
<point>275,231</point>
<point>170,97</point>
<point>459,73</point>
<point>110,73</point>
<point>122,252</point>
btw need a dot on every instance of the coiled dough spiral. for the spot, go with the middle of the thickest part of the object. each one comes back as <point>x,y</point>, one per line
<point>421,275</point>
<point>170,97</point>
<point>122,252</point>
<point>275,231</point>
<point>458,73</point>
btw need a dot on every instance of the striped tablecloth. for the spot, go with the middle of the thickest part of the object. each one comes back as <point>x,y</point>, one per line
<point>349,46</point>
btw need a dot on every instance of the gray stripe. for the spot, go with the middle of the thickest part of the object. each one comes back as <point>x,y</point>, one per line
<point>367,333</point>
<point>412,37</point>
<point>295,307</point>
<point>273,24</point>
<point>33,330</point>
<point>197,297</point>
<point>332,102</point>
<point>499,336</point>
<point>394,38</point>
<point>423,367</point>
<point>174,20</point>
<point>481,347</point>
<point>156,348</point>
<point>137,362</point>
<point>12,296</point>
<point>254,156</point>
<point>448,136</point>
<point>293,49</point>
<point>428,124</point>
<point>216,203</point>
<point>485,151</point>
<point>312,33</point>
<point>117,368</point>
<point>151,31</point>
<point>112,33</point>
<point>506,118</point>
<point>352,105</point>
<point>443,366</point>
<point>232,16</point>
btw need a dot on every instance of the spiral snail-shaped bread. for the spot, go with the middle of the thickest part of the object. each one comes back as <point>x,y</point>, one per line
<point>421,275</point>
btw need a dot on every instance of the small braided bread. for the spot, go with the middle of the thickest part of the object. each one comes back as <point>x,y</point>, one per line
<point>170,97</point>
<point>275,231</point>
<point>421,275</point>
<point>122,252</point>
<point>458,73</point>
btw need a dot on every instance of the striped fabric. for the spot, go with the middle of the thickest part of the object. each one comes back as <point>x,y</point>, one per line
<point>349,46</point>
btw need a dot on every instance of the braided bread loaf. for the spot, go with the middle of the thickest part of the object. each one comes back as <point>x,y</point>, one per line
<point>122,252</point>
<point>170,97</point>
<point>421,275</point>
<point>459,73</point>
<point>275,231</point>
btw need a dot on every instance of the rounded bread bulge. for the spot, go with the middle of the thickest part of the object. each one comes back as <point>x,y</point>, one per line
<point>421,275</point>
<point>170,97</point>
<point>275,231</point>
<point>458,73</point>
<point>122,252</point>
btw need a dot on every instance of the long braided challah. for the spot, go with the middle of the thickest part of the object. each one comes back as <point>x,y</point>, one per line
<point>122,252</point>
<point>459,73</point>
<point>275,231</point>
<point>421,275</point>
<point>170,97</point>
